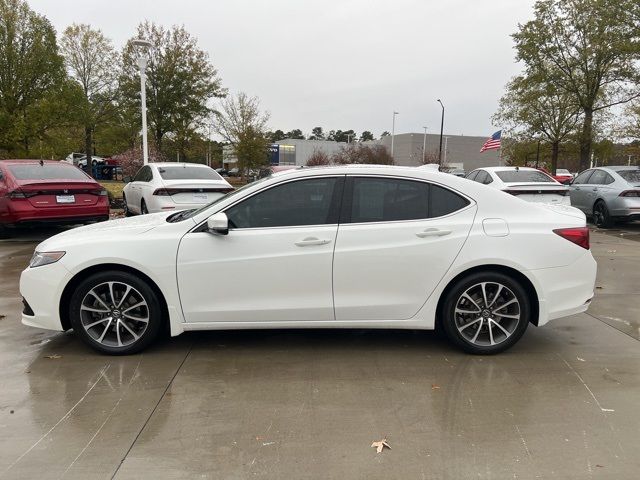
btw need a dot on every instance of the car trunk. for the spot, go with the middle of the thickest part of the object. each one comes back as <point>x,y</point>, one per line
<point>551,193</point>
<point>196,191</point>
<point>46,193</point>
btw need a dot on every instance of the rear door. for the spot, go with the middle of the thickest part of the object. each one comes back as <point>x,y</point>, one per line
<point>396,240</point>
<point>597,187</point>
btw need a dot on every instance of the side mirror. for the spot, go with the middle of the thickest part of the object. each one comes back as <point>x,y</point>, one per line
<point>218,224</point>
<point>126,179</point>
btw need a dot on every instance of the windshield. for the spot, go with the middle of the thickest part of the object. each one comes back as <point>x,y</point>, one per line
<point>183,215</point>
<point>631,176</point>
<point>188,173</point>
<point>514,176</point>
<point>48,171</point>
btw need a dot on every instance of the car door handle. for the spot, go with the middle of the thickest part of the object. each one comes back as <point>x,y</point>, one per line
<point>595,189</point>
<point>433,232</point>
<point>306,242</point>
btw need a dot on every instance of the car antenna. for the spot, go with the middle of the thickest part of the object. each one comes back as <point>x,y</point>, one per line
<point>41,163</point>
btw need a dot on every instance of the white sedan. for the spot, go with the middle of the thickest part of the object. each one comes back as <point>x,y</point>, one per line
<point>334,247</point>
<point>526,183</point>
<point>164,187</point>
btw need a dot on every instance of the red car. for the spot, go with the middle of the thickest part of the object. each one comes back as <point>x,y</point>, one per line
<point>36,191</point>
<point>562,175</point>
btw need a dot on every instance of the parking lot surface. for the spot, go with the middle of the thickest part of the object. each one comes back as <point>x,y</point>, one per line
<point>563,403</point>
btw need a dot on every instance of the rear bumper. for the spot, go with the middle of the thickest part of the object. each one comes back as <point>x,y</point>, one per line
<point>24,213</point>
<point>567,290</point>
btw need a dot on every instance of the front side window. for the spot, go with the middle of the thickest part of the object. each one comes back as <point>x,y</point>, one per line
<point>390,199</point>
<point>583,177</point>
<point>302,202</point>
<point>143,175</point>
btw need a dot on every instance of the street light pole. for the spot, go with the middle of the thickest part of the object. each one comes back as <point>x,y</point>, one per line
<point>393,130</point>
<point>424,145</point>
<point>142,65</point>
<point>446,142</point>
<point>441,130</point>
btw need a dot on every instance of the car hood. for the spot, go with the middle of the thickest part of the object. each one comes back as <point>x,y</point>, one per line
<point>119,228</point>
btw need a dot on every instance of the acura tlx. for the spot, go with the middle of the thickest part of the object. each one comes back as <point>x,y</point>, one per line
<point>334,247</point>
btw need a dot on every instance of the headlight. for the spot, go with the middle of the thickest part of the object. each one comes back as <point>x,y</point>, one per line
<point>45,258</point>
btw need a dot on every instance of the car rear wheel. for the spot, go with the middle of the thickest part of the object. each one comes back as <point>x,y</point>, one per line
<point>143,208</point>
<point>601,216</point>
<point>115,312</point>
<point>486,313</point>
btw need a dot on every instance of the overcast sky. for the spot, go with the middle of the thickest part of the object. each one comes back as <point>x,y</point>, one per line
<point>340,64</point>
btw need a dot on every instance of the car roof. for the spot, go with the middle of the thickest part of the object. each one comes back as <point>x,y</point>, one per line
<point>508,169</point>
<point>617,168</point>
<point>32,161</point>
<point>177,164</point>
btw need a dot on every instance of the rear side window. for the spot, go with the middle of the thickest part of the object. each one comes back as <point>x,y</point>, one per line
<point>48,171</point>
<point>473,175</point>
<point>390,199</point>
<point>600,177</point>
<point>297,203</point>
<point>514,176</point>
<point>188,173</point>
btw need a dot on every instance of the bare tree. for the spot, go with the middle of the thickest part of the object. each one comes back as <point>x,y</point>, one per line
<point>93,63</point>
<point>318,158</point>
<point>241,122</point>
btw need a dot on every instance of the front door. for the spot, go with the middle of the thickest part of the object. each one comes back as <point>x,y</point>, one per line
<point>274,265</point>
<point>397,239</point>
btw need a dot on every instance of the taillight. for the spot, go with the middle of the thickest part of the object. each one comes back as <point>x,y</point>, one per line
<point>577,235</point>
<point>163,192</point>
<point>630,193</point>
<point>16,194</point>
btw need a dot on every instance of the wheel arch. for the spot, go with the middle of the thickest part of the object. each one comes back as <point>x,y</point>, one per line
<point>509,271</point>
<point>69,288</point>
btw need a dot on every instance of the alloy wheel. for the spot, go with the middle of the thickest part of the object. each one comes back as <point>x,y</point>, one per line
<point>487,314</point>
<point>114,314</point>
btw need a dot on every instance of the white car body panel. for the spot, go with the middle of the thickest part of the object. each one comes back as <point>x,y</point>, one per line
<point>259,278</point>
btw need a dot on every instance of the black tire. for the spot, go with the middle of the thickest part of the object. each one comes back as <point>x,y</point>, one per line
<point>601,216</point>
<point>489,330</point>
<point>143,208</point>
<point>4,231</point>
<point>123,334</point>
<point>125,207</point>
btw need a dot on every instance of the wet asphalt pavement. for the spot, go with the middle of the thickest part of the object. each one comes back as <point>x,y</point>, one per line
<point>563,403</point>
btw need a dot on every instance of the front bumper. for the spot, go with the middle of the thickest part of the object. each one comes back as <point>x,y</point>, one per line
<point>41,288</point>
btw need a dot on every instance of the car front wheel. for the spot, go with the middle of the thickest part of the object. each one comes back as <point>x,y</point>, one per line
<point>486,313</point>
<point>115,312</point>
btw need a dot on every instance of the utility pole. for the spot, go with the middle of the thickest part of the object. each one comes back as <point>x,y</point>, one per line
<point>424,145</point>
<point>393,130</point>
<point>441,130</point>
<point>143,46</point>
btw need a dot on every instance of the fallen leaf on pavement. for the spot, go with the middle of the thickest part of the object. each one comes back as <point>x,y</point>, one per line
<point>599,287</point>
<point>53,357</point>
<point>435,386</point>
<point>581,359</point>
<point>380,445</point>
<point>612,251</point>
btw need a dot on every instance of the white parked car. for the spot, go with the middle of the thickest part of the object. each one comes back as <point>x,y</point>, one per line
<point>164,187</point>
<point>526,183</point>
<point>346,247</point>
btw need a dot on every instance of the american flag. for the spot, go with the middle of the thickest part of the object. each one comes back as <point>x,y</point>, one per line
<point>493,143</point>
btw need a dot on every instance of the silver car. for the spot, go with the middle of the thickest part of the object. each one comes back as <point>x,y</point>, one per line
<point>608,194</point>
